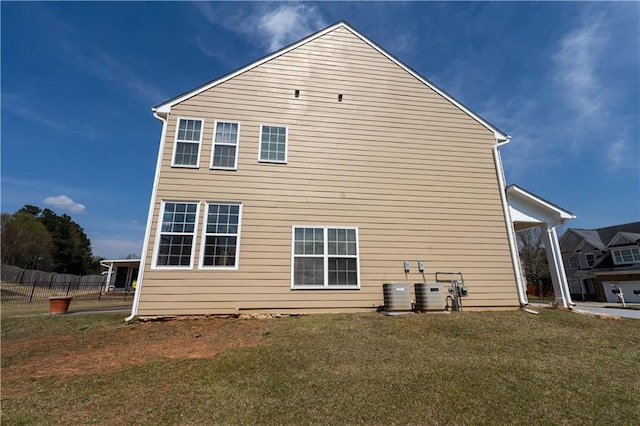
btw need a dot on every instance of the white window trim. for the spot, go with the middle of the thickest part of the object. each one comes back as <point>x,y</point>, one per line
<point>574,258</point>
<point>286,144</point>
<point>586,258</point>
<point>326,256</point>
<point>156,248</point>
<point>203,237</point>
<point>635,257</point>
<point>213,145</point>
<point>175,142</point>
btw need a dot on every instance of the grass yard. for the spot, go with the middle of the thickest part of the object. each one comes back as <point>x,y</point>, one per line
<point>40,308</point>
<point>464,368</point>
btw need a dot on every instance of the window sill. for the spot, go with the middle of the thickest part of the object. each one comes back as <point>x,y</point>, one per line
<point>272,162</point>
<point>321,287</point>
<point>172,267</point>
<point>218,268</point>
<point>183,166</point>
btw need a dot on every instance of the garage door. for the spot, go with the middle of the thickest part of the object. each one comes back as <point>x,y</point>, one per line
<point>627,288</point>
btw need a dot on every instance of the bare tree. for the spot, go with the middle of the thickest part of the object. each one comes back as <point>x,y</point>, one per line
<point>534,258</point>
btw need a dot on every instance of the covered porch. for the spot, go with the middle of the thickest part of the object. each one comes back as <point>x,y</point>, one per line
<point>120,274</point>
<point>527,210</point>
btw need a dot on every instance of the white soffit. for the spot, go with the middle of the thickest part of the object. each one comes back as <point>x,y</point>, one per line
<point>527,207</point>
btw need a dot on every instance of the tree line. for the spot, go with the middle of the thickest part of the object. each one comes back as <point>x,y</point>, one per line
<point>533,259</point>
<point>33,238</point>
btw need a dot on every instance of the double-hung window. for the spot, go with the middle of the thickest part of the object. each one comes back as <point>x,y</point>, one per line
<point>571,262</point>
<point>225,145</point>
<point>325,258</point>
<point>626,255</point>
<point>177,230</point>
<point>273,144</point>
<point>590,258</point>
<point>220,241</point>
<point>188,141</point>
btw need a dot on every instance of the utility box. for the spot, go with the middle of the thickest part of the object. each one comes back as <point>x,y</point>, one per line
<point>429,297</point>
<point>397,297</point>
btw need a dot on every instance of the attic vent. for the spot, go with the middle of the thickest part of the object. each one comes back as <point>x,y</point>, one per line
<point>297,93</point>
<point>340,97</point>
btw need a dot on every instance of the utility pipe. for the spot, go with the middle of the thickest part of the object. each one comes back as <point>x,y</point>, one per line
<point>145,245</point>
<point>513,247</point>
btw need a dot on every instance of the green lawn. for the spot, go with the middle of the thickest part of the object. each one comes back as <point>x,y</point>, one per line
<point>464,368</point>
<point>41,308</point>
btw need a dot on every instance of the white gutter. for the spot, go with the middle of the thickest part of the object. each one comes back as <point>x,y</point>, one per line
<point>145,245</point>
<point>511,235</point>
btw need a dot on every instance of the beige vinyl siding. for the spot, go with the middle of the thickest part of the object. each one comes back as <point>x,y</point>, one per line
<point>409,169</point>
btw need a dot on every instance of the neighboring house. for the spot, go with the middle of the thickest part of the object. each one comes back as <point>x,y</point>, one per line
<point>120,273</point>
<point>303,182</point>
<point>600,261</point>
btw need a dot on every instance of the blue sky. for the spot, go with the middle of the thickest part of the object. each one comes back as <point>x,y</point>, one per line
<point>78,80</point>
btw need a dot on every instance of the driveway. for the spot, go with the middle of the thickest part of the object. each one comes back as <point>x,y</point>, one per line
<point>608,308</point>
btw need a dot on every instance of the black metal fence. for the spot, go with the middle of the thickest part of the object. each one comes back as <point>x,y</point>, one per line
<point>26,286</point>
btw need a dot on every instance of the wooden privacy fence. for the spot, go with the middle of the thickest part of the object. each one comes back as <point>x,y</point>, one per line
<point>25,285</point>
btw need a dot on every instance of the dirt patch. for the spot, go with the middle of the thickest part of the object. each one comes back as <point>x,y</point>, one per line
<point>109,349</point>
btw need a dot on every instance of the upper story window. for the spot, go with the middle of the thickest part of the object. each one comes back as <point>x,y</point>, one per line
<point>174,247</point>
<point>325,258</point>
<point>626,255</point>
<point>273,144</point>
<point>225,145</point>
<point>571,262</point>
<point>590,258</point>
<point>221,236</point>
<point>188,141</point>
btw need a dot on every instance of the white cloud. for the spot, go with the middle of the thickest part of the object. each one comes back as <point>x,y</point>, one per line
<point>28,108</point>
<point>621,155</point>
<point>271,25</point>
<point>288,23</point>
<point>573,108</point>
<point>206,9</point>
<point>94,61</point>
<point>65,203</point>
<point>16,105</point>
<point>113,70</point>
<point>576,64</point>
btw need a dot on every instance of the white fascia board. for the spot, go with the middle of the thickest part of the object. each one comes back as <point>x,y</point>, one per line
<point>166,107</point>
<point>618,237</point>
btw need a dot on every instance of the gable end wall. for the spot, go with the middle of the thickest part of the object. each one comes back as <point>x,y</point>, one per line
<point>409,169</point>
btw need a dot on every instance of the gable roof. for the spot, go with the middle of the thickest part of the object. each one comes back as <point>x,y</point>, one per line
<point>619,239</point>
<point>528,208</point>
<point>165,107</point>
<point>602,238</point>
<point>590,236</point>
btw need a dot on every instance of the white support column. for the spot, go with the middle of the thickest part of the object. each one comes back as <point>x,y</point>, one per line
<point>556,269</point>
<point>108,283</point>
<point>563,276</point>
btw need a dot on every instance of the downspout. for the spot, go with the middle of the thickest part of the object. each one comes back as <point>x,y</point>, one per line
<point>145,244</point>
<point>511,235</point>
